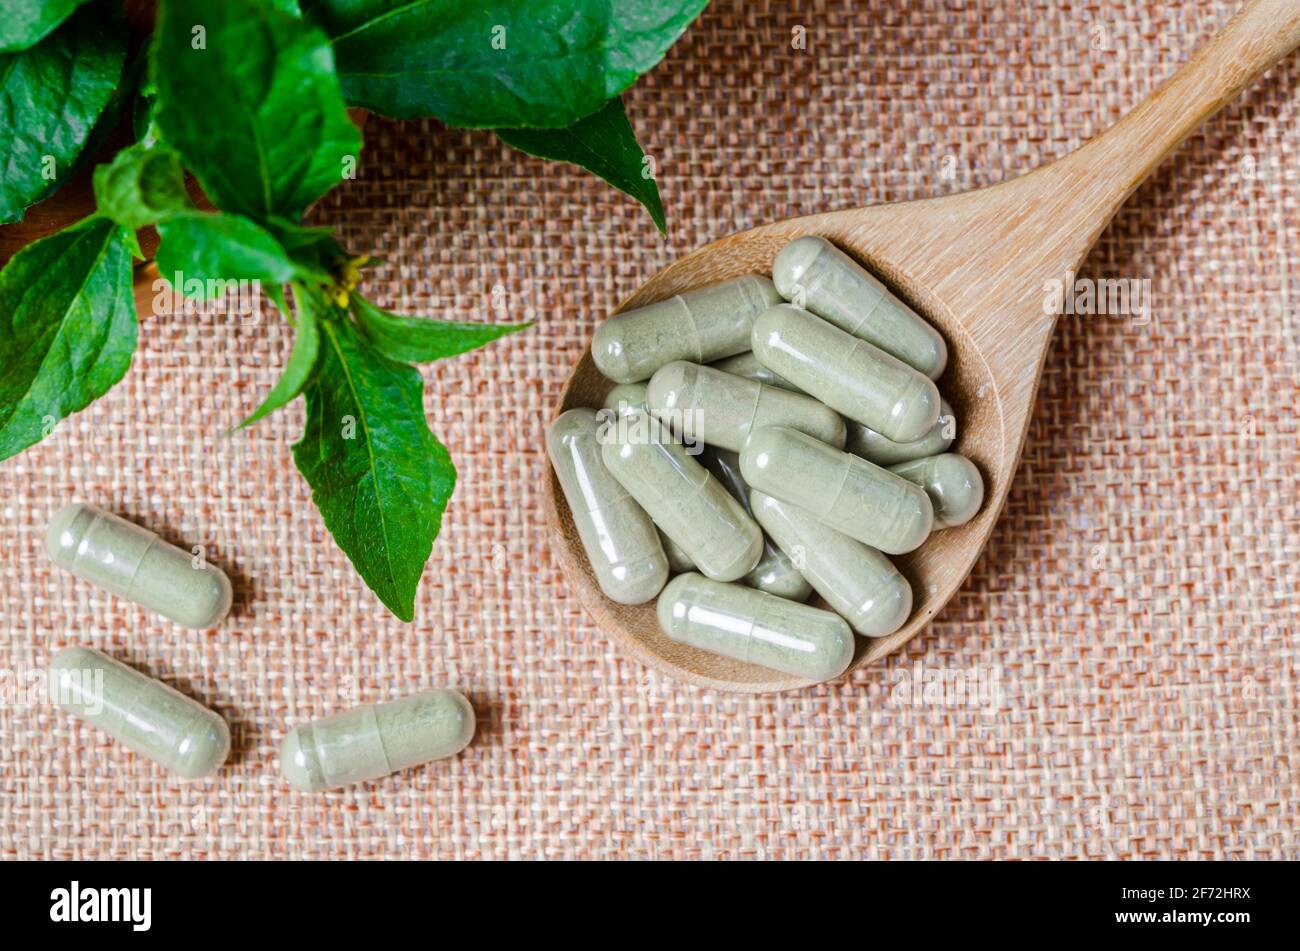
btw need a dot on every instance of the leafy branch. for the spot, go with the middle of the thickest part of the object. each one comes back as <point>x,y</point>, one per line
<point>245,96</point>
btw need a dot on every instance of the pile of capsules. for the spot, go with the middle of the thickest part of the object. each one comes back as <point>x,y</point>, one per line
<point>182,735</point>
<point>767,438</point>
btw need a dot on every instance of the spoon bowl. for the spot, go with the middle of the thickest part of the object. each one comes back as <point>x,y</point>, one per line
<point>980,266</point>
<point>935,570</point>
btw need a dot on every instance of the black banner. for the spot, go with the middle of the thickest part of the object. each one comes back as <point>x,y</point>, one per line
<point>337,900</point>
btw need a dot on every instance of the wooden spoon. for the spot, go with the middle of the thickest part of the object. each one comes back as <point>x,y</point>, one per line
<point>976,265</point>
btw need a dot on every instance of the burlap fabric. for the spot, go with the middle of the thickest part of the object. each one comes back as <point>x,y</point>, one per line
<point>1128,636</point>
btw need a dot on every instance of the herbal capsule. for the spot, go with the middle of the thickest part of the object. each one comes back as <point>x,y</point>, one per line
<point>832,285</point>
<point>625,398</point>
<point>369,742</point>
<point>849,494</point>
<point>143,714</point>
<point>620,542</point>
<point>955,486</point>
<point>701,326</point>
<point>873,447</point>
<point>131,561</point>
<point>775,572</point>
<point>847,374</point>
<point>756,627</point>
<point>747,365</point>
<point>678,560</point>
<point>720,409</point>
<point>691,506</point>
<point>858,582</point>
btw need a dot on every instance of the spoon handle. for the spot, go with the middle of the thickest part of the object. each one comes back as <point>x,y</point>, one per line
<point>1116,162</point>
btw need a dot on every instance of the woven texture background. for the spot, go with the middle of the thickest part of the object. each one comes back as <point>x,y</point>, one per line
<point>1132,623</point>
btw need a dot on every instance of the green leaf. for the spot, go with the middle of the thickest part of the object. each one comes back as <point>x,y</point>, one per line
<point>67,328</point>
<point>141,186</point>
<point>496,63</point>
<point>421,339</point>
<point>50,97</point>
<point>203,254</point>
<point>379,477</point>
<point>110,118</point>
<point>142,126</point>
<point>603,143</point>
<point>146,101</point>
<point>27,22</point>
<point>255,110</point>
<point>302,360</point>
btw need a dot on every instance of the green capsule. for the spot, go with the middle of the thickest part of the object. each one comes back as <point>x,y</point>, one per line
<point>720,409</point>
<point>617,535</point>
<point>849,494</point>
<point>747,365</point>
<point>847,374</point>
<point>691,507</point>
<point>955,486</point>
<point>775,572</point>
<point>873,447</point>
<point>755,627</point>
<point>625,398</point>
<point>371,742</point>
<point>858,582</point>
<point>700,326</point>
<point>825,280</point>
<point>134,563</point>
<point>143,714</point>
